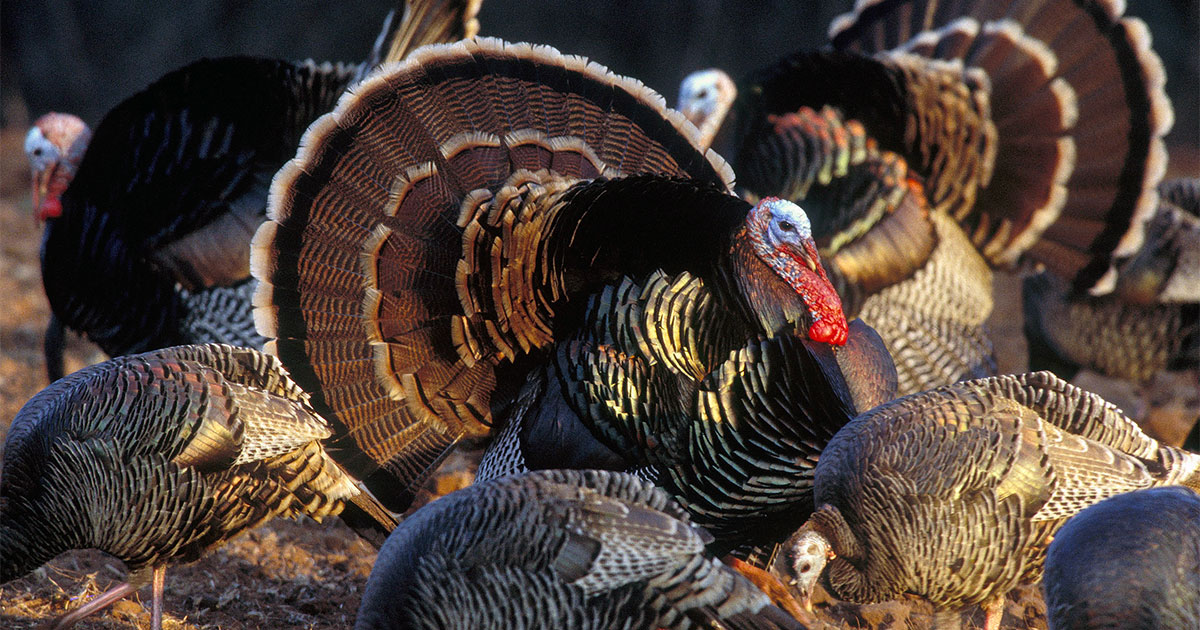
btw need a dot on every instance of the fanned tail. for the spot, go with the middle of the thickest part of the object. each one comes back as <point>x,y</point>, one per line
<point>417,240</point>
<point>1076,95</point>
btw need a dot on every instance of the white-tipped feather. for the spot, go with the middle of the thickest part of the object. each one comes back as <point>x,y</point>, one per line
<point>265,319</point>
<point>1034,48</point>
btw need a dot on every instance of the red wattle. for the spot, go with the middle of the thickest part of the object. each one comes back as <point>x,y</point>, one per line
<point>51,208</point>
<point>829,322</point>
<point>830,332</point>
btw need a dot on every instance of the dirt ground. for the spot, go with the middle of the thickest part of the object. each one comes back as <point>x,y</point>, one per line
<point>285,574</point>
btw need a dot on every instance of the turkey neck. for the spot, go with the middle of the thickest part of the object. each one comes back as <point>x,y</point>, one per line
<point>76,526</point>
<point>762,297</point>
<point>141,510</point>
<point>24,550</point>
<point>846,575</point>
<point>23,553</point>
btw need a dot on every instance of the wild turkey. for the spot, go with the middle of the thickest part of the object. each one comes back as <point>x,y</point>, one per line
<point>1131,561</point>
<point>736,448</point>
<point>557,549</point>
<point>953,494</point>
<point>934,140</point>
<point>493,230</point>
<point>148,231</point>
<point>1148,325</point>
<point>156,458</point>
<point>704,99</point>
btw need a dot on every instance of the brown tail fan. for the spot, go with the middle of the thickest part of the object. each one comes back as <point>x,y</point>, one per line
<point>421,236</point>
<point>1077,161</point>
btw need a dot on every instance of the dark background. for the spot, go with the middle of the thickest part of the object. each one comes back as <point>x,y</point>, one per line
<point>85,56</point>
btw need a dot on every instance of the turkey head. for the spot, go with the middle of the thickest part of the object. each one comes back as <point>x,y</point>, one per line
<point>54,146</point>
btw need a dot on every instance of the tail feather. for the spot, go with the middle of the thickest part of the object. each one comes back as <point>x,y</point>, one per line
<point>433,22</point>
<point>369,518</point>
<point>407,253</point>
<point>1116,155</point>
<point>423,22</point>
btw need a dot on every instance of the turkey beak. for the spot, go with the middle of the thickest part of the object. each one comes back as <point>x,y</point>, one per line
<point>810,256</point>
<point>805,595</point>
<point>806,253</point>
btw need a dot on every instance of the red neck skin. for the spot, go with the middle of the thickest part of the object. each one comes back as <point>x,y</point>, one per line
<point>810,283</point>
<point>48,200</point>
<point>829,322</point>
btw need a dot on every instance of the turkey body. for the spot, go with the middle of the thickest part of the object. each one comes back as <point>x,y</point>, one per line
<point>561,549</point>
<point>152,247</point>
<point>148,246</point>
<point>933,141</point>
<point>158,457</point>
<point>1131,561</point>
<point>1148,325</point>
<point>953,494</point>
<point>498,234</point>
<point>761,416</point>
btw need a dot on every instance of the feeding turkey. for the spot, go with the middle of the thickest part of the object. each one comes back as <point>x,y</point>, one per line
<point>157,458</point>
<point>162,200</point>
<point>933,141</point>
<point>1130,561</point>
<point>561,549</point>
<point>953,494</point>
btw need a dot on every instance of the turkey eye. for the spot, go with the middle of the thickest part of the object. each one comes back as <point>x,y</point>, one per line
<point>806,568</point>
<point>786,226</point>
<point>37,152</point>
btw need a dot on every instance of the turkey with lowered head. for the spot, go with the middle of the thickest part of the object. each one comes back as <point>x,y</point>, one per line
<point>953,494</point>
<point>1128,562</point>
<point>156,458</point>
<point>557,549</point>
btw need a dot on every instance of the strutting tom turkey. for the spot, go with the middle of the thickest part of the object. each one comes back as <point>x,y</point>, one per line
<point>954,494</point>
<point>149,219</point>
<point>495,230</point>
<point>156,458</point>
<point>557,549</point>
<point>933,141</point>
